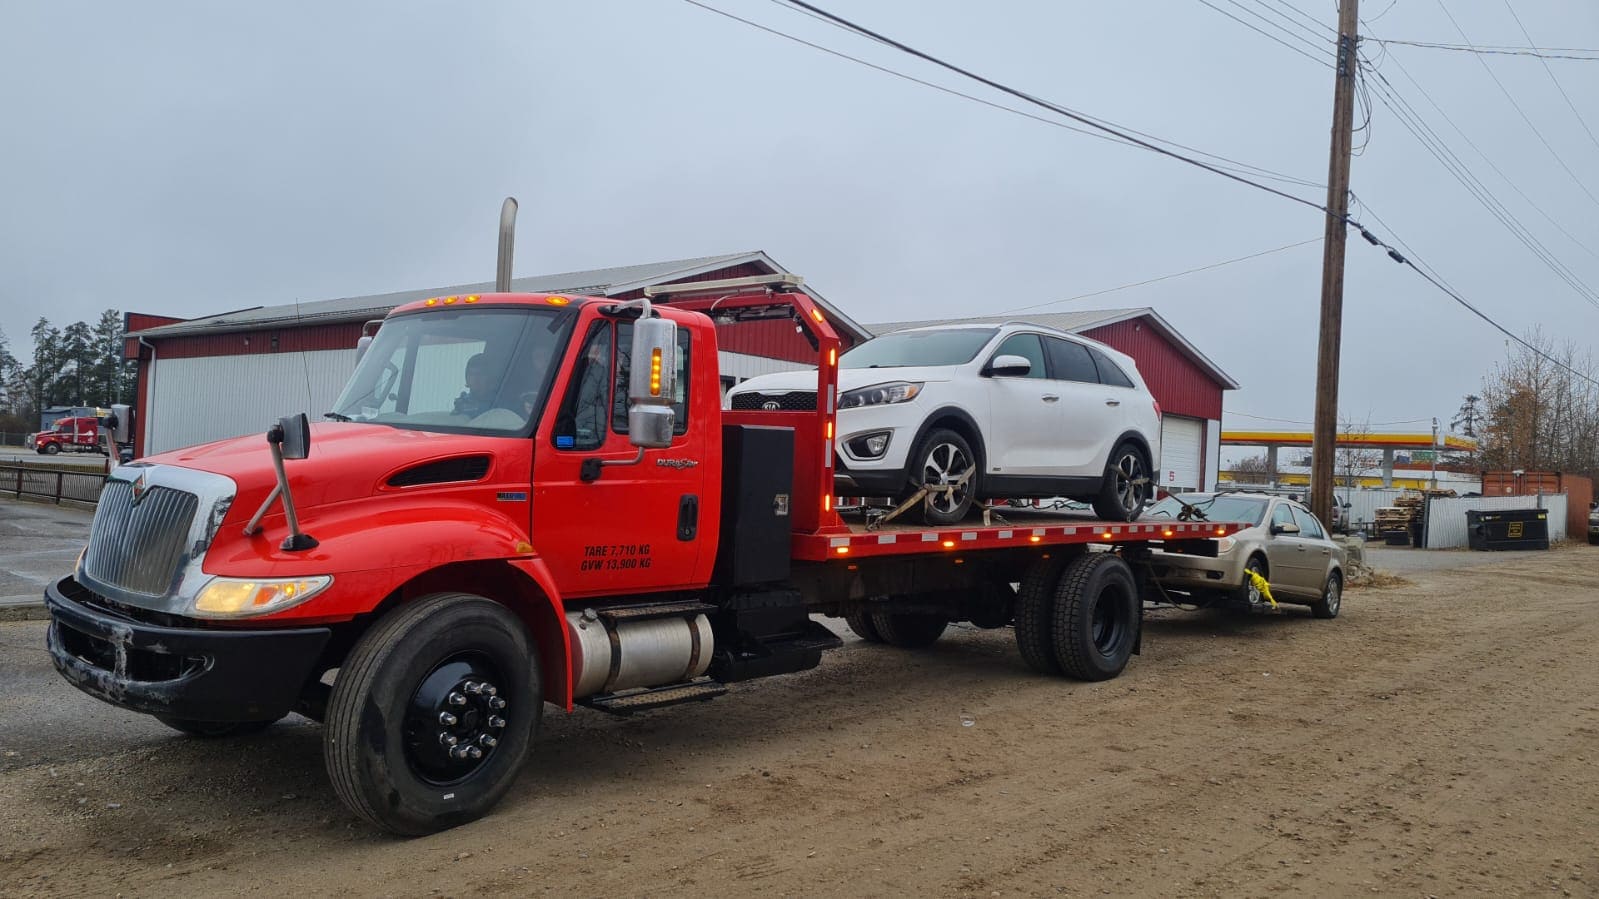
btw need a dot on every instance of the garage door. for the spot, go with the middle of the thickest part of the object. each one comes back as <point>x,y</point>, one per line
<point>1181,451</point>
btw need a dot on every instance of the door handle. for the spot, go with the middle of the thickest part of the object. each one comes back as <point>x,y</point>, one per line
<point>1113,402</point>
<point>1051,398</point>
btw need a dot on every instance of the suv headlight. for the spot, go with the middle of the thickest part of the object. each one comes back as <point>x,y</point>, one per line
<point>234,597</point>
<point>880,394</point>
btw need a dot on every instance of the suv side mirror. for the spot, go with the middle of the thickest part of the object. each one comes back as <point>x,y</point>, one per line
<point>1009,366</point>
<point>652,384</point>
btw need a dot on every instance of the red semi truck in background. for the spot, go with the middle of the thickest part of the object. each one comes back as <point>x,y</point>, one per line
<point>584,524</point>
<point>87,434</point>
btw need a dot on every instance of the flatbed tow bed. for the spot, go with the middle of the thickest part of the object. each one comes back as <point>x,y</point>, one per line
<point>1015,529</point>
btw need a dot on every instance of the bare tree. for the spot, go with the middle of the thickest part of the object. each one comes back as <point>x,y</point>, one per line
<point>1252,470</point>
<point>1540,410</point>
<point>1354,462</point>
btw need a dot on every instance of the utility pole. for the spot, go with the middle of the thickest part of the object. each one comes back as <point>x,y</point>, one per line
<point>1324,438</point>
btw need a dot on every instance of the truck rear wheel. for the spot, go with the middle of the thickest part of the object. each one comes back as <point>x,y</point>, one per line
<point>1035,606</point>
<point>1096,617</point>
<point>860,621</point>
<point>433,713</point>
<point>909,630</point>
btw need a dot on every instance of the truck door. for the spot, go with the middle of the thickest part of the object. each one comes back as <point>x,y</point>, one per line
<point>632,528</point>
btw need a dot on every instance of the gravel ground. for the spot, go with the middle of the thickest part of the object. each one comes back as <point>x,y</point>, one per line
<point>1440,738</point>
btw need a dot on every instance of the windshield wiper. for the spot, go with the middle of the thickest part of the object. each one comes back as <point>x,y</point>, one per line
<point>337,416</point>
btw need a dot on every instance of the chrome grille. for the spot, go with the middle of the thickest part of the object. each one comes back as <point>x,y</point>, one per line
<point>138,546</point>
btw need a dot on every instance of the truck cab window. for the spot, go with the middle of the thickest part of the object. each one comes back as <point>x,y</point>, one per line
<point>580,425</point>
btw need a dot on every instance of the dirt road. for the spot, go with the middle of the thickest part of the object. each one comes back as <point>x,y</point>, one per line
<point>1441,738</point>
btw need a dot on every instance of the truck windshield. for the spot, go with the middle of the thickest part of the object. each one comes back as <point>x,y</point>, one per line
<point>483,370</point>
<point>1216,508</point>
<point>955,346</point>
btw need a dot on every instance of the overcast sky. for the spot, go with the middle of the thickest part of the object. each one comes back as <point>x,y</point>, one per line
<point>192,158</point>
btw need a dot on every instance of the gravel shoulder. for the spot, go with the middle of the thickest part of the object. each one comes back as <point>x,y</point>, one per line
<point>1440,738</point>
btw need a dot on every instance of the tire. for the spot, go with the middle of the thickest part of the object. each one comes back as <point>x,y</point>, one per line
<point>214,730</point>
<point>1332,597</point>
<point>942,456</point>
<point>51,449</point>
<point>1035,611</point>
<point>1125,485</point>
<point>382,755</point>
<point>860,621</point>
<point>908,630</point>
<point>1246,592</point>
<point>1097,615</point>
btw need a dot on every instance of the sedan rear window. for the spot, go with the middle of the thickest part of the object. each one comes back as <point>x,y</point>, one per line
<point>1216,508</point>
<point>954,346</point>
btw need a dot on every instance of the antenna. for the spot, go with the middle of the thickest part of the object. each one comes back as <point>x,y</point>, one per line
<point>502,274</point>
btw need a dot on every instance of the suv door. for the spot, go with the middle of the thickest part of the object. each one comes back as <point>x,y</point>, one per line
<point>1024,412</point>
<point>1087,424</point>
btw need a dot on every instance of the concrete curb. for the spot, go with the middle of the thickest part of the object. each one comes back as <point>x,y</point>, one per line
<point>23,610</point>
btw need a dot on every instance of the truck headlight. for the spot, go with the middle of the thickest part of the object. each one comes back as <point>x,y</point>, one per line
<point>231,597</point>
<point>880,394</point>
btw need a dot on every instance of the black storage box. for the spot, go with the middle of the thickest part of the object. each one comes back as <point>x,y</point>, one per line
<point>757,484</point>
<point>1508,529</point>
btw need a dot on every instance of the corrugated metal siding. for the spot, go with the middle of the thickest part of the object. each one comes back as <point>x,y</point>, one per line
<point>747,270</point>
<point>1446,517</point>
<point>312,338</point>
<point>1180,386</point>
<point>1364,503</point>
<point>198,400</point>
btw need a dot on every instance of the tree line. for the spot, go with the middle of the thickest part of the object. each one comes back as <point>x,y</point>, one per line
<point>1538,410</point>
<point>80,364</point>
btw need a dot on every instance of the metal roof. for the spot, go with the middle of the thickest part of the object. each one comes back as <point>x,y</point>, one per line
<point>594,282</point>
<point>1080,321</point>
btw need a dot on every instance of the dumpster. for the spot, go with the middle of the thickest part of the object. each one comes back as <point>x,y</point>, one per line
<point>1508,529</point>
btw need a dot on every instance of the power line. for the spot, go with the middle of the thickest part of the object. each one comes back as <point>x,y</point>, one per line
<point>1224,162</point>
<point>1053,107</point>
<point>1551,73</point>
<point>1502,89</point>
<point>1267,35</point>
<point>1486,50</point>
<point>1203,268</point>
<point>1315,29</point>
<point>1295,421</point>
<point>1323,26</point>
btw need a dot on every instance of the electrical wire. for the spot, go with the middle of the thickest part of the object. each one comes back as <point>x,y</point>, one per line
<point>1054,107</point>
<point>1203,268</point>
<point>1487,50</point>
<point>1551,72</point>
<point>1295,421</point>
<point>1267,35</point>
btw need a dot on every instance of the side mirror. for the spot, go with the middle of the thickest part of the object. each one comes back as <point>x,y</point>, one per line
<point>652,384</point>
<point>361,346</point>
<point>1285,529</point>
<point>294,434</point>
<point>1010,366</point>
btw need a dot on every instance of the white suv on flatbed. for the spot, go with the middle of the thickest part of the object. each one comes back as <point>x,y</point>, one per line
<point>1037,412</point>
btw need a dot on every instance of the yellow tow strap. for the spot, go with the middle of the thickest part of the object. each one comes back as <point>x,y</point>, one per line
<point>1260,584</point>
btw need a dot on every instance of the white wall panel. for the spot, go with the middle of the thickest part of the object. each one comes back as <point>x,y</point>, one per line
<point>213,397</point>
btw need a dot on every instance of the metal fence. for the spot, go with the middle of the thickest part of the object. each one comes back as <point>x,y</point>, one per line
<point>1446,516</point>
<point>51,483</point>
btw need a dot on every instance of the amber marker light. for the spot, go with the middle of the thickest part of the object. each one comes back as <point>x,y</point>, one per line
<point>843,550</point>
<point>832,357</point>
<point>1221,530</point>
<point>472,298</point>
<point>949,544</point>
<point>1036,539</point>
<point>816,314</point>
<point>1169,533</point>
<point>829,430</point>
<point>432,302</point>
<point>1106,535</point>
<point>449,300</point>
<point>557,301</point>
<point>655,372</point>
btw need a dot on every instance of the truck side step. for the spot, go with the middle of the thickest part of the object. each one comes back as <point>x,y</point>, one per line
<point>618,614</point>
<point>655,697</point>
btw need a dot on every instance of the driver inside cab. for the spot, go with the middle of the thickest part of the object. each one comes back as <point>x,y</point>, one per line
<point>479,388</point>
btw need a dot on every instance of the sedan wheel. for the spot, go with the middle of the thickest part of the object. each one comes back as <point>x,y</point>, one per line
<point>1332,598</point>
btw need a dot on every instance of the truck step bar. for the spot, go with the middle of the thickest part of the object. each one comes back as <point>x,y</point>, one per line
<point>618,614</point>
<point>655,697</point>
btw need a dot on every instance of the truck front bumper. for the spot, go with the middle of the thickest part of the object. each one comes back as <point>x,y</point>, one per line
<point>179,672</point>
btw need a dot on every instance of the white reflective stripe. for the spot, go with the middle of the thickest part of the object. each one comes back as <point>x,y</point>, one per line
<point>1068,531</point>
<point>827,454</point>
<point>1115,530</point>
<point>1038,532</point>
<point>1005,535</point>
<point>969,535</point>
<point>886,538</point>
<point>830,391</point>
<point>929,538</point>
<point>839,541</point>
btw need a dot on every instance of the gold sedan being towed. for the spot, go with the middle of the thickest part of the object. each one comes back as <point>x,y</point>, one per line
<point>1284,543</point>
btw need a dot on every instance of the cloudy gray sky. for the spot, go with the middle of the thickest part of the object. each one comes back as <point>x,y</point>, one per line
<point>191,158</point>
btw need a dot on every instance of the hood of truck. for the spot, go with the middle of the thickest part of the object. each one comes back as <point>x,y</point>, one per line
<point>848,378</point>
<point>348,460</point>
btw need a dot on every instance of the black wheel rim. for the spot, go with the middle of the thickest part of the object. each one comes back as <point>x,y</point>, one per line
<point>455,719</point>
<point>1109,625</point>
<point>1131,482</point>
<point>945,464</point>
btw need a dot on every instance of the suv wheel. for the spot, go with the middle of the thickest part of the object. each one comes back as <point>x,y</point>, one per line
<point>943,458</point>
<point>1126,485</point>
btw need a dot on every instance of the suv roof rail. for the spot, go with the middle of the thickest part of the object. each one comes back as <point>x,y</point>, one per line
<point>784,280</point>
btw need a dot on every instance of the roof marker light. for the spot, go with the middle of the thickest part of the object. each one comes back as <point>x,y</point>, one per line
<point>472,298</point>
<point>449,300</point>
<point>432,302</point>
<point>557,301</point>
<point>817,314</point>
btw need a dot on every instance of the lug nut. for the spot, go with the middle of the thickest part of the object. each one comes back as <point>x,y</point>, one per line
<point>448,739</point>
<point>473,687</point>
<point>496,703</point>
<point>456,699</point>
<point>447,719</point>
<point>458,753</point>
<point>490,690</point>
<point>474,752</point>
<point>488,740</point>
<point>496,722</point>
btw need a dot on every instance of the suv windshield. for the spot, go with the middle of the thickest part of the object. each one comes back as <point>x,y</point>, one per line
<point>1216,508</point>
<point>955,346</point>
<point>481,370</point>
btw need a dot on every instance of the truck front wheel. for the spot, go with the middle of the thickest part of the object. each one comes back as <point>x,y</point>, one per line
<point>433,714</point>
<point>50,449</point>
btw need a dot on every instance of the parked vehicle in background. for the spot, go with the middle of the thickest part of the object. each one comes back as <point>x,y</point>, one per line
<point>1284,542</point>
<point>1000,411</point>
<point>87,434</point>
<point>1593,524</point>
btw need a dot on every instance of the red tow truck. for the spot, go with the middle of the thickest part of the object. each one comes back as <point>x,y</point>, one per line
<point>583,524</point>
